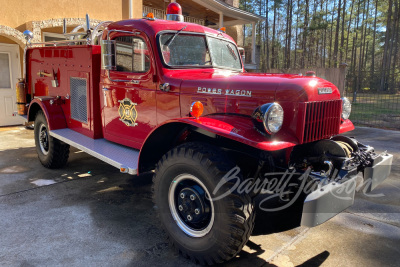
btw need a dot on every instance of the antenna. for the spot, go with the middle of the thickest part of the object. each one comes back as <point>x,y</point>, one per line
<point>87,22</point>
<point>64,26</point>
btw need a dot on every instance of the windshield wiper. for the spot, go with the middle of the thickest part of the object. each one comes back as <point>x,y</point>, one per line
<point>232,51</point>
<point>173,37</point>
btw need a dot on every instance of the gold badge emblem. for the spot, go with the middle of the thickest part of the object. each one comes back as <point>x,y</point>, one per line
<point>127,112</point>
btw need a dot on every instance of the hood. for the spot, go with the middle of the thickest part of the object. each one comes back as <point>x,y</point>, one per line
<point>224,91</point>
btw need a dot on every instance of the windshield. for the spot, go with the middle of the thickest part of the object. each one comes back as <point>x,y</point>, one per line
<point>189,50</point>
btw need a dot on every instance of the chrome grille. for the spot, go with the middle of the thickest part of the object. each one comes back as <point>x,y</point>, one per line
<point>78,88</point>
<point>322,119</point>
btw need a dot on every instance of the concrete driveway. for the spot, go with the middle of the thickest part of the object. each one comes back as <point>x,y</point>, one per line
<point>88,214</point>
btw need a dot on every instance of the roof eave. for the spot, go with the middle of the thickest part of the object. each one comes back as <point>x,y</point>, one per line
<point>228,10</point>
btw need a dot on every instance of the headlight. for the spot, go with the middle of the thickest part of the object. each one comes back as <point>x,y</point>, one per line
<point>346,108</point>
<point>268,117</point>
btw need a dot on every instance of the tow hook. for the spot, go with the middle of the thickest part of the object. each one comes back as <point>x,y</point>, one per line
<point>330,168</point>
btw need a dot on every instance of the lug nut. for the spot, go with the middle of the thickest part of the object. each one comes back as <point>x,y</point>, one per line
<point>180,207</point>
<point>189,218</point>
<point>197,211</point>
<point>192,197</point>
<point>182,195</point>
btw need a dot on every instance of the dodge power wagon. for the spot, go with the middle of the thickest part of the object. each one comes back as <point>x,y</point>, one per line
<point>173,98</point>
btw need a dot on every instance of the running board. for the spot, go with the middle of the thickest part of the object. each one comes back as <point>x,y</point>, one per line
<point>121,157</point>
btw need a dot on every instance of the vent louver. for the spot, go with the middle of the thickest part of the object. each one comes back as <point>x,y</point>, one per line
<point>78,88</point>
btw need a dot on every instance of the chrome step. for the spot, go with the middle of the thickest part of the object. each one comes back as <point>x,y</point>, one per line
<point>121,157</point>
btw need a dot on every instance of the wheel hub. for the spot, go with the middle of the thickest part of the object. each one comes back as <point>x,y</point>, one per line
<point>43,139</point>
<point>192,206</point>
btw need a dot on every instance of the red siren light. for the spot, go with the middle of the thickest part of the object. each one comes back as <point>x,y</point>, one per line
<point>174,12</point>
<point>174,8</point>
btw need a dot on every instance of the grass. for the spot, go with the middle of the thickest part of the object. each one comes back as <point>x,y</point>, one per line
<point>377,110</point>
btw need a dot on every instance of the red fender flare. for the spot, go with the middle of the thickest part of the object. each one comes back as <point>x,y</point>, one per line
<point>346,126</point>
<point>57,118</point>
<point>237,128</point>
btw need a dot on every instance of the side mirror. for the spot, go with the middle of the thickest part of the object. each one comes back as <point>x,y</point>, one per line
<point>108,54</point>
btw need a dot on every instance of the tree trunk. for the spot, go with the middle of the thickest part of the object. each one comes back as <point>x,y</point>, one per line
<point>336,47</point>
<point>325,34</point>
<point>348,30</point>
<point>360,57</point>
<point>342,35</point>
<point>273,39</point>
<point>290,34</point>
<point>373,42</point>
<point>366,59</point>
<point>386,58</point>
<point>354,62</point>
<point>267,33</point>
<point>286,35</point>
<point>314,62</point>
<point>331,40</point>
<point>396,44</point>
<point>393,52</point>
<point>295,44</point>
<point>305,32</point>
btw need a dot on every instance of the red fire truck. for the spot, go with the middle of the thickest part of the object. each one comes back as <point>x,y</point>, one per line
<point>171,97</point>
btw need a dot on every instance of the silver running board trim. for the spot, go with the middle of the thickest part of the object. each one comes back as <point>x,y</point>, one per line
<point>111,153</point>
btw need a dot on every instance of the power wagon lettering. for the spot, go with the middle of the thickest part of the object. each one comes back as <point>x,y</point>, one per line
<point>215,91</point>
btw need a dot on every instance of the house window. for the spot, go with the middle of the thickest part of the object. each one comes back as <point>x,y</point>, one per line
<point>50,37</point>
<point>5,73</point>
<point>132,54</point>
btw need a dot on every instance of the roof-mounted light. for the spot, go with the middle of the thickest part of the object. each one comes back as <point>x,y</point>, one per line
<point>174,12</point>
<point>150,16</point>
<point>222,29</point>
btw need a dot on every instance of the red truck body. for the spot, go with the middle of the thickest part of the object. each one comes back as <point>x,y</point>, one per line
<point>69,61</point>
<point>252,125</point>
<point>155,107</point>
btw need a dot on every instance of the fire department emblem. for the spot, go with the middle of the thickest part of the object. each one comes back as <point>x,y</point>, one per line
<point>127,112</point>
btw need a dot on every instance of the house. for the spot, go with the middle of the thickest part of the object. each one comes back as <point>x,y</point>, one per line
<point>45,20</point>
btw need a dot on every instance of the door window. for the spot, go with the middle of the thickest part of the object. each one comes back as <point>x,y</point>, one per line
<point>5,74</point>
<point>132,54</point>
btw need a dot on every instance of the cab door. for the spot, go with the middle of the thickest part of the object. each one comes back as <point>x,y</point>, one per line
<point>129,95</point>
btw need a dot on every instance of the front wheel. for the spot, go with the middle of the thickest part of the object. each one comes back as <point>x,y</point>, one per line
<point>52,152</point>
<point>200,226</point>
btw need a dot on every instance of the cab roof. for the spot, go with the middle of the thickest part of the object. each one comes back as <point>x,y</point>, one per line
<point>152,27</point>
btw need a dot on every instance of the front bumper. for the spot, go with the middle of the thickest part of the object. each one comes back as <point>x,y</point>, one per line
<point>334,197</point>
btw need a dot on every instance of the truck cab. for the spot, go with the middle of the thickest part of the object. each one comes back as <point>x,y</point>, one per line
<point>173,98</point>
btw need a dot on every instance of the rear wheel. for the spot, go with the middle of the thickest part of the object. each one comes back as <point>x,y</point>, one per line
<point>52,152</point>
<point>200,226</point>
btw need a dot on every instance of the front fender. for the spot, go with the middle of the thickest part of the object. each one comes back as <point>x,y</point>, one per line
<point>241,129</point>
<point>238,128</point>
<point>234,127</point>
<point>57,118</point>
<point>346,126</point>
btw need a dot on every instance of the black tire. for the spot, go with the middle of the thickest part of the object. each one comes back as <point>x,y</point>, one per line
<point>233,219</point>
<point>52,152</point>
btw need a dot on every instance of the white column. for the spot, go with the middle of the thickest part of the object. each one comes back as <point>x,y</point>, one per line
<point>130,9</point>
<point>253,43</point>
<point>221,20</point>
